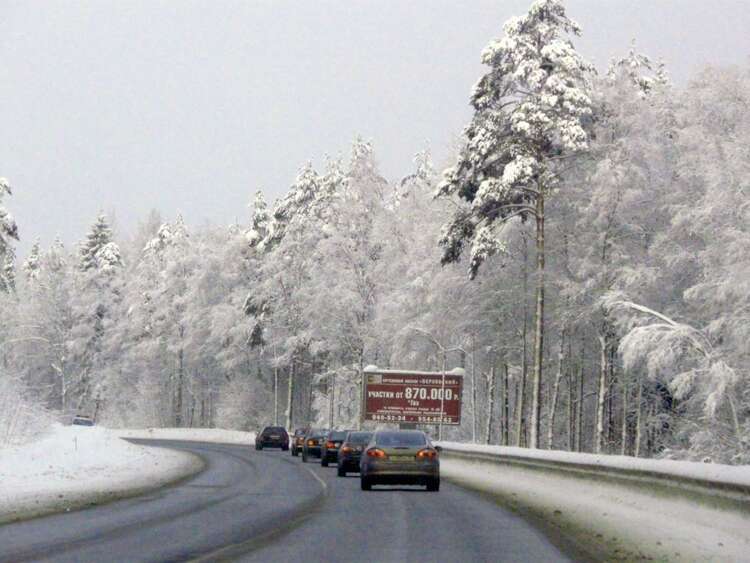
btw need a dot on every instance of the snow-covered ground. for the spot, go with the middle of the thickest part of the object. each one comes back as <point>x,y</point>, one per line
<point>216,435</point>
<point>616,519</point>
<point>710,472</point>
<point>74,466</point>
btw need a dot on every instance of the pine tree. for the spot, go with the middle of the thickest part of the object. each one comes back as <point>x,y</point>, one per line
<point>8,275</point>
<point>530,111</point>
<point>259,228</point>
<point>94,305</point>
<point>8,227</point>
<point>98,251</point>
<point>8,232</point>
<point>31,264</point>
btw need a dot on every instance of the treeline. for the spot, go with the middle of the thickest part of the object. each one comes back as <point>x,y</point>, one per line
<point>585,259</point>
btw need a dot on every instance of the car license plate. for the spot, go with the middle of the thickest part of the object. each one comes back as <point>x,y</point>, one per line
<point>402,457</point>
<point>275,437</point>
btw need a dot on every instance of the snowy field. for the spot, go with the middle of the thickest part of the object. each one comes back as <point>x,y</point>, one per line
<point>74,466</point>
<point>616,519</point>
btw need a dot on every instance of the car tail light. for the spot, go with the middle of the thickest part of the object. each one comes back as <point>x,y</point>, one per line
<point>331,445</point>
<point>427,453</point>
<point>375,452</point>
<point>311,442</point>
<point>346,450</point>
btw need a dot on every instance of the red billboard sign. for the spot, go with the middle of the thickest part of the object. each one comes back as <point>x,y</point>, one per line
<point>413,397</point>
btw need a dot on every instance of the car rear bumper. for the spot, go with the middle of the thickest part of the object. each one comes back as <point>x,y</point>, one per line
<point>351,463</point>
<point>401,479</point>
<point>273,444</point>
<point>400,473</point>
<point>312,451</point>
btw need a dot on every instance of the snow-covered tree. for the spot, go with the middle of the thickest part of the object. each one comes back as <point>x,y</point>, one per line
<point>700,273</point>
<point>260,220</point>
<point>8,227</point>
<point>31,264</point>
<point>530,111</point>
<point>95,303</point>
<point>8,233</point>
<point>98,252</point>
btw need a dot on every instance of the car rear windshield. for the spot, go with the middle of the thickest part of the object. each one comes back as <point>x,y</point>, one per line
<point>337,435</point>
<point>274,430</point>
<point>395,439</point>
<point>83,422</point>
<point>359,437</point>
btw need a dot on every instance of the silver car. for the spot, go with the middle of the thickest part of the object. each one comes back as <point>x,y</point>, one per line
<point>401,457</point>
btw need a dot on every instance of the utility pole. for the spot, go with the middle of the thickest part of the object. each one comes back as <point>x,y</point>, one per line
<point>331,391</point>
<point>275,388</point>
<point>473,392</point>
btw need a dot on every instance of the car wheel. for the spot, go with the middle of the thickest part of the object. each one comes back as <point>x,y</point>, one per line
<point>304,457</point>
<point>365,483</point>
<point>433,484</point>
<point>259,447</point>
<point>295,453</point>
<point>324,462</point>
<point>284,448</point>
<point>341,472</point>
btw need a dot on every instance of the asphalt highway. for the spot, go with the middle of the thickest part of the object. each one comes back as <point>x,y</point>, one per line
<point>269,506</point>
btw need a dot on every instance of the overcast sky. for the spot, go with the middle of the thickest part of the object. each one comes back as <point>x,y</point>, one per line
<point>191,106</point>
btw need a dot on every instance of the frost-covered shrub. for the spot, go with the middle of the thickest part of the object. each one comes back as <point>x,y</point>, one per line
<point>21,419</point>
<point>244,405</point>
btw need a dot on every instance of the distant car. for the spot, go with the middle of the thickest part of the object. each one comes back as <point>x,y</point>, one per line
<point>329,451</point>
<point>313,441</point>
<point>350,452</point>
<point>403,457</point>
<point>80,420</point>
<point>272,437</point>
<point>298,440</point>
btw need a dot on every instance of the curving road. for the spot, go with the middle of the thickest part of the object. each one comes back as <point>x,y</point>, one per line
<point>268,506</point>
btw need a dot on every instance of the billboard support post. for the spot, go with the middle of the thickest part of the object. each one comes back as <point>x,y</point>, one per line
<point>442,399</point>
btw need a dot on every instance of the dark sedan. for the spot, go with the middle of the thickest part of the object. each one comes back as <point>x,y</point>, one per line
<point>330,449</point>
<point>313,441</point>
<point>272,437</point>
<point>350,452</point>
<point>404,457</point>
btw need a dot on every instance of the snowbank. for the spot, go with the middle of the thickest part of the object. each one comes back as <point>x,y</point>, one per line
<point>713,473</point>
<point>75,466</point>
<point>603,513</point>
<point>216,435</point>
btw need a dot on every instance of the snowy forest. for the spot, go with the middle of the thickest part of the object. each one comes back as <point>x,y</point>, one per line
<point>584,255</point>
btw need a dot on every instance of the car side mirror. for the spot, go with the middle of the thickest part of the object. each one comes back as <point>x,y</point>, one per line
<point>438,449</point>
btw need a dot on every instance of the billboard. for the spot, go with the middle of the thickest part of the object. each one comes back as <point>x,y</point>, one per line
<point>413,397</point>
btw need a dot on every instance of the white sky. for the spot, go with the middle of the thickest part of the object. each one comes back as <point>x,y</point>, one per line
<point>192,106</point>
